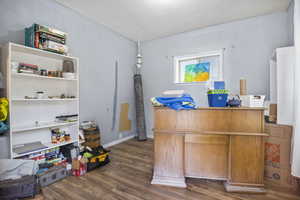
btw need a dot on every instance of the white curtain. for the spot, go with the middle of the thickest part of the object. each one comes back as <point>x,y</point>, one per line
<point>296,141</point>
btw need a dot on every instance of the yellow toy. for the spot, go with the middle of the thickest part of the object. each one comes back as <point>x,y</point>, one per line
<point>3,109</point>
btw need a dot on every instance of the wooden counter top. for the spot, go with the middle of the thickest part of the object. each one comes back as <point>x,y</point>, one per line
<point>218,108</point>
<point>210,132</point>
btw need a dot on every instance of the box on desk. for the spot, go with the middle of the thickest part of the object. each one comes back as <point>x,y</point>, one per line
<point>277,156</point>
<point>252,100</point>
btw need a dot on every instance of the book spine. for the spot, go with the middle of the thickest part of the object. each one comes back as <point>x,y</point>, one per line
<point>52,38</point>
<point>56,47</point>
<point>36,40</point>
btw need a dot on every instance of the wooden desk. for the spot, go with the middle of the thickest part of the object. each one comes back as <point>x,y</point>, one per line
<point>212,143</point>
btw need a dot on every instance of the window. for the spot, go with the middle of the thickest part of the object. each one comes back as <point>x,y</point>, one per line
<point>199,68</point>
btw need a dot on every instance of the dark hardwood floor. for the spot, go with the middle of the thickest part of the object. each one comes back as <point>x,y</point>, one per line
<point>128,177</point>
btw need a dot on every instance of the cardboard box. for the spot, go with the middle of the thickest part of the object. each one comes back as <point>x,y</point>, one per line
<point>79,166</point>
<point>278,146</point>
<point>280,177</point>
<point>273,109</point>
<point>277,156</point>
<point>92,137</point>
<point>277,152</point>
<point>273,113</point>
<point>77,163</point>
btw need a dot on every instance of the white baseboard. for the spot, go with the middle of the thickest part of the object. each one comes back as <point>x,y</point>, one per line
<point>243,189</point>
<point>174,182</point>
<point>118,141</point>
<point>150,136</point>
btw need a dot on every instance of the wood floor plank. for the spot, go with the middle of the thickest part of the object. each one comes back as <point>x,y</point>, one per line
<point>128,176</point>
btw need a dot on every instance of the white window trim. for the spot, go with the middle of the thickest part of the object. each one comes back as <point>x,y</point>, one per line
<point>192,56</point>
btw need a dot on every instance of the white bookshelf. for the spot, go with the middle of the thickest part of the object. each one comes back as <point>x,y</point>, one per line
<point>25,113</point>
<point>36,100</point>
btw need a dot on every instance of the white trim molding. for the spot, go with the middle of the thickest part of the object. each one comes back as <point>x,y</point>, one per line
<point>118,141</point>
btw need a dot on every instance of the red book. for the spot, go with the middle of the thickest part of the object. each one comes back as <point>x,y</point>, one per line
<point>37,40</point>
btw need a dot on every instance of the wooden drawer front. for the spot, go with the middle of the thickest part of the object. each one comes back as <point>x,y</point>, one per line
<point>168,155</point>
<point>247,121</point>
<point>246,160</point>
<point>206,156</point>
<point>207,139</point>
<point>210,120</point>
<point>165,119</point>
<point>171,120</point>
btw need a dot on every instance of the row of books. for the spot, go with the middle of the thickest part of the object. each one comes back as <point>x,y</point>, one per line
<point>46,38</point>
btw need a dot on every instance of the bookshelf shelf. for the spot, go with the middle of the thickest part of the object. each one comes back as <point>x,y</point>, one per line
<point>39,52</point>
<point>41,126</point>
<point>42,100</point>
<point>48,146</point>
<point>34,76</point>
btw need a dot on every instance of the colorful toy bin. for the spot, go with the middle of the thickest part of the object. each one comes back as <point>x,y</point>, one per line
<point>217,98</point>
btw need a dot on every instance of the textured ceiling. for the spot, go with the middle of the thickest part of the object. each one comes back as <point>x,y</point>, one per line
<point>151,19</point>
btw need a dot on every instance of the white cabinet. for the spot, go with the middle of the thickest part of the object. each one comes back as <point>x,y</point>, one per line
<point>282,72</point>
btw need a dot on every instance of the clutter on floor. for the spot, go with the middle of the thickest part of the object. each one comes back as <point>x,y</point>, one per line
<point>17,179</point>
<point>96,157</point>
<point>52,175</point>
<point>91,134</point>
<point>24,187</point>
<point>46,167</point>
<point>93,154</point>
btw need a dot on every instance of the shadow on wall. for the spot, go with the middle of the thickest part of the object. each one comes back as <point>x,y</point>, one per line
<point>13,36</point>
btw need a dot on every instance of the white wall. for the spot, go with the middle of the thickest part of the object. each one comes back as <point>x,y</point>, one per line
<point>248,46</point>
<point>290,13</point>
<point>296,141</point>
<point>97,48</point>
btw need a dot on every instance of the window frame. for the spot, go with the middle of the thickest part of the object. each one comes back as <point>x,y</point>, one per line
<point>176,65</point>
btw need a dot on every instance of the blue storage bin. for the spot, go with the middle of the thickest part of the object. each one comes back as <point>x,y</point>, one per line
<point>217,100</point>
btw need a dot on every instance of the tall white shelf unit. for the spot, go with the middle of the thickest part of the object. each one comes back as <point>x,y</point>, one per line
<point>25,113</point>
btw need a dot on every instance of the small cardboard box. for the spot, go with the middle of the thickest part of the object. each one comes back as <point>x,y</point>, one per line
<point>252,100</point>
<point>273,109</point>
<point>280,177</point>
<point>76,163</point>
<point>273,113</point>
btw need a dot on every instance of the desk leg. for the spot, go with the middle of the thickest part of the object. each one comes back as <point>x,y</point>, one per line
<point>168,160</point>
<point>246,164</point>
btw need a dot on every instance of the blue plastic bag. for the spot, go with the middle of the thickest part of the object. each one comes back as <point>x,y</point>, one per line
<point>185,102</point>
